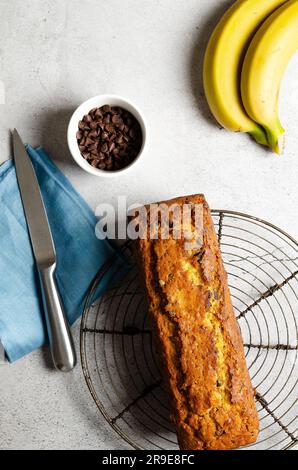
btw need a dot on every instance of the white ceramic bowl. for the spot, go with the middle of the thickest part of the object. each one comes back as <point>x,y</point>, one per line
<point>78,115</point>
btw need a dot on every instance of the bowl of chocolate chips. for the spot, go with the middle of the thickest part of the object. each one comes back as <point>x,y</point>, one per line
<point>106,135</point>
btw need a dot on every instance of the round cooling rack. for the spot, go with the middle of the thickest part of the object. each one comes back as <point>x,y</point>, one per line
<point>119,360</point>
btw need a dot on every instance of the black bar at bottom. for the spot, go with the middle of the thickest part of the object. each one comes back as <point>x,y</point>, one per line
<point>137,459</point>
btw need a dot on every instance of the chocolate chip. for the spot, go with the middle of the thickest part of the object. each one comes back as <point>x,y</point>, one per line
<point>93,146</point>
<point>104,135</point>
<point>93,134</point>
<point>109,128</point>
<point>132,133</point>
<point>98,113</point>
<point>115,110</point>
<point>116,119</point>
<point>122,153</point>
<point>119,139</point>
<point>87,118</point>
<point>89,141</point>
<point>111,146</point>
<point>109,138</point>
<point>104,148</point>
<point>86,155</point>
<point>106,108</point>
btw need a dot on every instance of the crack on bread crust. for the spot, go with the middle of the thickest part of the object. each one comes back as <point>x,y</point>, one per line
<point>212,323</point>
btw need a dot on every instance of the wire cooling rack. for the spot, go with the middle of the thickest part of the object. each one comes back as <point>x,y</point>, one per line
<point>120,363</point>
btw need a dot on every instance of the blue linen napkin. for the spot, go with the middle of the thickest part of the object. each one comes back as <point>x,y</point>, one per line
<point>79,255</point>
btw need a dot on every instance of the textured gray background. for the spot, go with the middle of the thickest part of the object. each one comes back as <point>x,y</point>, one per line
<point>55,54</point>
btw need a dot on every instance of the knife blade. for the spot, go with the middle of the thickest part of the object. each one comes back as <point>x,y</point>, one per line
<point>37,220</point>
<point>60,338</point>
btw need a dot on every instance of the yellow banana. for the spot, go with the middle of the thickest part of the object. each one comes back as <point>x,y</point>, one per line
<point>264,65</point>
<point>223,62</point>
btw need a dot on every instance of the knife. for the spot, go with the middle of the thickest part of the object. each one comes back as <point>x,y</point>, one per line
<point>60,339</point>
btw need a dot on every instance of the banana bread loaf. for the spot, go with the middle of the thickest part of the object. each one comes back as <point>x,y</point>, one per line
<point>200,343</point>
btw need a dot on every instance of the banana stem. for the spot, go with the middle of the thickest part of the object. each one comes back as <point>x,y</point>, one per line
<point>259,135</point>
<point>276,137</point>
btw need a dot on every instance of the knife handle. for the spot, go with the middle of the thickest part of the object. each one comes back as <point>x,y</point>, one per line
<point>60,338</point>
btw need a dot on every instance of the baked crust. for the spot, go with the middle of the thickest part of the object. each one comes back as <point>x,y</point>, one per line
<point>199,339</point>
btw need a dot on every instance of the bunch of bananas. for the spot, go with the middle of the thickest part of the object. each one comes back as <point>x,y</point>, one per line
<point>245,60</point>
